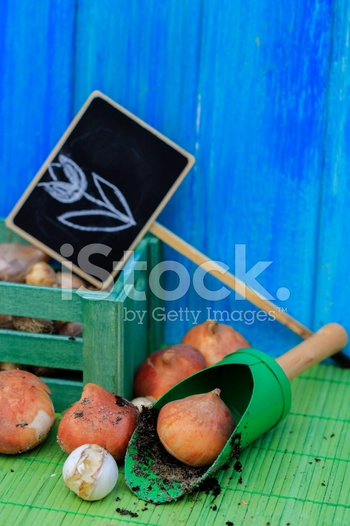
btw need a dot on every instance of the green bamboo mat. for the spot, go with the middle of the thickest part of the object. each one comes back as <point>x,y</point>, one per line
<point>298,473</point>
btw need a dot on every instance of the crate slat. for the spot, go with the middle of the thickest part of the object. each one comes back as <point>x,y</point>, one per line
<point>41,349</point>
<point>18,299</point>
<point>156,329</point>
<point>63,392</point>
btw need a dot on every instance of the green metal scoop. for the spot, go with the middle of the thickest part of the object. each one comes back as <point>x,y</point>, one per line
<point>257,391</point>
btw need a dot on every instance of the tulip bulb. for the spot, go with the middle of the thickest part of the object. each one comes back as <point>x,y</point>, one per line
<point>26,411</point>
<point>195,429</point>
<point>99,417</point>
<point>41,274</point>
<point>143,401</point>
<point>16,259</point>
<point>165,368</point>
<point>22,323</point>
<point>215,340</point>
<point>90,472</point>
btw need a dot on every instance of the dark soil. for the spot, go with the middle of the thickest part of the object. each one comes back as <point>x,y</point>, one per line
<point>151,457</point>
<point>238,466</point>
<point>166,467</point>
<point>124,511</point>
<point>210,485</point>
<point>122,402</point>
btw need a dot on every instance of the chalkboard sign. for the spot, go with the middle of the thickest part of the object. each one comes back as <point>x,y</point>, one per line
<point>100,190</point>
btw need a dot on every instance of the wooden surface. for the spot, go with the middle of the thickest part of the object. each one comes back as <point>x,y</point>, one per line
<point>257,92</point>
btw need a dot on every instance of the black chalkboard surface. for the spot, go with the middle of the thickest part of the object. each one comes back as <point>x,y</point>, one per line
<point>101,188</point>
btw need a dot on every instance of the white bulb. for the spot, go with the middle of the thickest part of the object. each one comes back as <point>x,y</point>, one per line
<point>143,401</point>
<point>90,471</point>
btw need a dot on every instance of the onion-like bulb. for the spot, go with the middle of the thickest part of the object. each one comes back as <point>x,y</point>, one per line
<point>195,429</point>
<point>26,411</point>
<point>143,401</point>
<point>90,472</point>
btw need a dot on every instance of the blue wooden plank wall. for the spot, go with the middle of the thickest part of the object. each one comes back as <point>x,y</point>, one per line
<point>258,91</point>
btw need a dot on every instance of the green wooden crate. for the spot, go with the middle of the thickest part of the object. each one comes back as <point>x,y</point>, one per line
<point>110,349</point>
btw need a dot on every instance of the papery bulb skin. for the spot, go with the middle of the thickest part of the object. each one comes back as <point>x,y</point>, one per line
<point>22,323</point>
<point>99,417</point>
<point>165,368</point>
<point>90,472</point>
<point>72,329</point>
<point>6,322</point>
<point>195,429</point>
<point>143,401</point>
<point>42,275</point>
<point>16,259</point>
<point>67,280</point>
<point>215,340</point>
<point>26,411</point>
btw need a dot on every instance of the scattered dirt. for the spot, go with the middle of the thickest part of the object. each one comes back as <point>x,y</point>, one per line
<point>238,466</point>
<point>124,511</point>
<point>209,485</point>
<point>151,457</point>
<point>122,402</point>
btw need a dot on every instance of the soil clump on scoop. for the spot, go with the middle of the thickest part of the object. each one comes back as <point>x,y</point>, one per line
<point>152,457</point>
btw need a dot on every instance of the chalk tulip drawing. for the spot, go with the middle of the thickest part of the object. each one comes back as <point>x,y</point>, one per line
<point>74,187</point>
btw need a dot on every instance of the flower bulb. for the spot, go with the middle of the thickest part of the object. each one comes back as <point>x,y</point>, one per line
<point>90,472</point>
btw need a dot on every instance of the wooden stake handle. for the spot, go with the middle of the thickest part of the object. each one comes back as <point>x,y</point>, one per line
<point>229,279</point>
<point>327,341</point>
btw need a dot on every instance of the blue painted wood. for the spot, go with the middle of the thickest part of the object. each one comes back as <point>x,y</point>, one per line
<point>36,66</point>
<point>148,61</point>
<point>262,89</point>
<point>332,264</point>
<point>257,92</point>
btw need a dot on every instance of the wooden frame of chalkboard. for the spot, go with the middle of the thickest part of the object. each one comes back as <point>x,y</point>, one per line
<point>100,190</point>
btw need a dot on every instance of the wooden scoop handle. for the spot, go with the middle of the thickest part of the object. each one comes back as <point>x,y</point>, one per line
<point>230,280</point>
<point>327,341</point>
